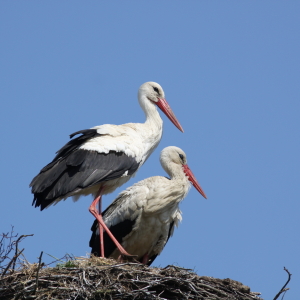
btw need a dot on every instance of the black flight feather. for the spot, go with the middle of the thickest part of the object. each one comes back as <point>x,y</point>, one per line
<point>152,258</point>
<point>119,231</point>
<point>71,145</point>
<point>74,169</point>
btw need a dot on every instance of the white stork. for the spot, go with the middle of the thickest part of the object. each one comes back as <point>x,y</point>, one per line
<point>104,157</point>
<point>142,217</point>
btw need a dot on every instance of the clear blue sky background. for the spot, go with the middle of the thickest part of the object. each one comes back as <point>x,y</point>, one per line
<point>230,71</point>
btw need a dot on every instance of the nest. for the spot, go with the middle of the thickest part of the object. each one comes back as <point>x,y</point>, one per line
<point>98,278</point>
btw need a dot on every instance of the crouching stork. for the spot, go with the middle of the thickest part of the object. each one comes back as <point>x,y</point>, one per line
<point>142,218</point>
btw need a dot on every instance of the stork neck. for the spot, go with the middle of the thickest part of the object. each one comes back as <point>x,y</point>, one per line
<point>153,119</point>
<point>175,171</point>
<point>179,181</point>
<point>151,130</point>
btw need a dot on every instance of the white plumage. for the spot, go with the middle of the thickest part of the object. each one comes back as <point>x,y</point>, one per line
<point>143,216</point>
<point>104,157</point>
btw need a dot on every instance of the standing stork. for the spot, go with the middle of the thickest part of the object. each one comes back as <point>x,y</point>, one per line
<point>103,158</point>
<point>142,217</point>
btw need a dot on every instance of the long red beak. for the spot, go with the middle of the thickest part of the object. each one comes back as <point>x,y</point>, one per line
<point>193,180</point>
<point>165,107</point>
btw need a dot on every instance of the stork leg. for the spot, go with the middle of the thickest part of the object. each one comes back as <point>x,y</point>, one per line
<point>145,259</point>
<point>102,225</point>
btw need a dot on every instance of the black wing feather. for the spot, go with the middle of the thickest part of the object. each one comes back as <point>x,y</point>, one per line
<point>75,143</point>
<point>72,145</point>
<point>75,169</point>
<point>119,231</point>
<point>152,258</point>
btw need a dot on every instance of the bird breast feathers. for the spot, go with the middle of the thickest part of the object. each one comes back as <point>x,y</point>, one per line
<point>162,194</point>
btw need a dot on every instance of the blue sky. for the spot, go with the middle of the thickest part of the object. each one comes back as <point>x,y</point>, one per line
<point>230,71</point>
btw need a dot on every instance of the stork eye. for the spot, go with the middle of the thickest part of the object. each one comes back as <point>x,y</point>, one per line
<point>156,90</point>
<point>181,156</point>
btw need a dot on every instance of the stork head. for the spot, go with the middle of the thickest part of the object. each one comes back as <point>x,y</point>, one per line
<point>154,93</point>
<point>174,162</point>
<point>152,90</point>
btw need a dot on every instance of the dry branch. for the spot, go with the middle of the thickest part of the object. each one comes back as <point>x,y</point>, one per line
<point>8,243</point>
<point>283,289</point>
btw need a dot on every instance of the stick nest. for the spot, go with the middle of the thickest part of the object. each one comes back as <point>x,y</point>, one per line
<point>98,278</point>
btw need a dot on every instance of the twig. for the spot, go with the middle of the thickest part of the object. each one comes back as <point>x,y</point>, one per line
<point>37,273</point>
<point>56,259</point>
<point>16,252</point>
<point>283,294</point>
<point>176,268</point>
<point>12,260</point>
<point>283,289</point>
<point>4,252</point>
<point>25,260</point>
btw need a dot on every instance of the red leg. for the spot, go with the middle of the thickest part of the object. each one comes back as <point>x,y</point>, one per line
<point>102,225</point>
<point>145,259</point>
